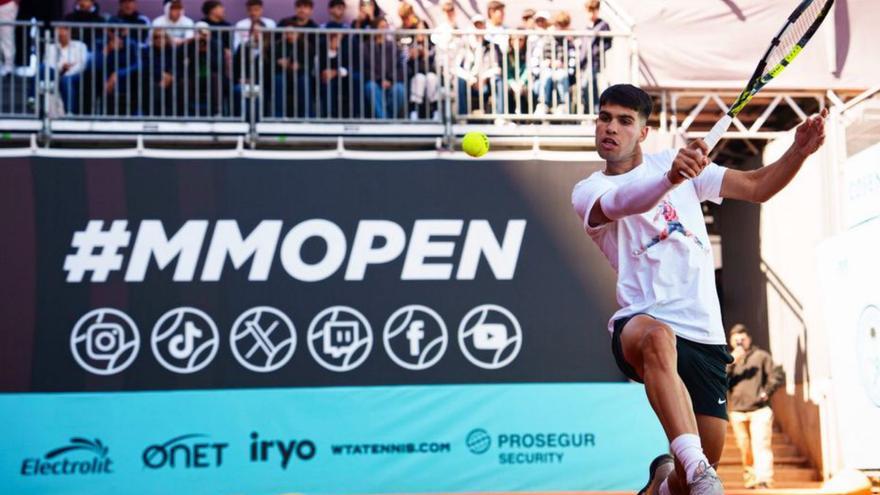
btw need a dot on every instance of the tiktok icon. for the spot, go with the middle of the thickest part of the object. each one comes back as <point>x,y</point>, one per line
<point>185,340</point>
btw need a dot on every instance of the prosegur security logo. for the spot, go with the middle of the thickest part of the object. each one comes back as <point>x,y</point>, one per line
<point>81,457</point>
<point>98,252</point>
<point>529,447</point>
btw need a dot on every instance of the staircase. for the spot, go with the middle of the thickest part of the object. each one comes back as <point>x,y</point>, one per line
<point>792,469</point>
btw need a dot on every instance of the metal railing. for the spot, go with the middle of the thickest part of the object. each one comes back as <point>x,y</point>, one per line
<point>125,78</point>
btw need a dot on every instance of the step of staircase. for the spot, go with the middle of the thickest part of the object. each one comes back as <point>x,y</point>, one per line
<point>791,468</point>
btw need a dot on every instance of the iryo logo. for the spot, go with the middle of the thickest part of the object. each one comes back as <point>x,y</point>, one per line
<point>184,452</point>
<point>82,456</point>
<point>261,450</point>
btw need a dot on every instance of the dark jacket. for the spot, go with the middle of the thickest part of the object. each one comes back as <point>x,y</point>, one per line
<point>748,378</point>
<point>92,37</point>
<point>381,62</point>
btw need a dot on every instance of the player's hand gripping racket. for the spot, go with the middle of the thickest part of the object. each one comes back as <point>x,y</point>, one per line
<point>786,45</point>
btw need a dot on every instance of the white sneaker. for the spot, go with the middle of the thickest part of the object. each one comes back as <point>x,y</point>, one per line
<point>541,110</point>
<point>706,481</point>
<point>414,115</point>
<point>660,468</point>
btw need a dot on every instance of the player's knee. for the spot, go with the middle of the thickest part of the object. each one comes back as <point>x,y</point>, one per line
<point>658,343</point>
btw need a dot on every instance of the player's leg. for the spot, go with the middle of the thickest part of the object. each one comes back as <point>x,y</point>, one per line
<point>646,350</point>
<point>713,431</point>
<point>648,346</point>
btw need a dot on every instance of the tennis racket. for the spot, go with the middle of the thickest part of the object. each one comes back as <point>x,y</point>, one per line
<point>785,47</point>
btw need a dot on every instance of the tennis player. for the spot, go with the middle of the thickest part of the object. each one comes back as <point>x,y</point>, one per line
<point>643,212</point>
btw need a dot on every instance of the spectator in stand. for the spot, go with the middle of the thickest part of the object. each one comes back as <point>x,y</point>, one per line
<point>563,66</point>
<point>87,11</point>
<point>594,58</point>
<point>334,66</point>
<point>254,14</point>
<point>175,23</point>
<point>424,84</point>
<point>158,70</point>
<point>474,68</point>
<point>294,62</point>
<point>114,64</point>
<point>66,59</point>
<point>500,43</point>
<point>245,64</point>
<point>206,74</point>
<point>128,14</point>
<point>518,73</point>
<point>215,16</point>
<point>8,13</point>
<point>303,16</point>
<point>338,90</point>
<point>384,89</point>
<point>446,46</point>
<point>307,48</point>
<point>368,12</point>
<point>528,19</point>
<point>336,13</point>
<point>540,48</point>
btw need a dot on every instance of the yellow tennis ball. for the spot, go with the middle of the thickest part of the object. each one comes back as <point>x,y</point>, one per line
<point>475,144</point>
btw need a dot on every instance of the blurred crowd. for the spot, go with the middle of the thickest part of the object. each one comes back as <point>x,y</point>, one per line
<point>126,63</point>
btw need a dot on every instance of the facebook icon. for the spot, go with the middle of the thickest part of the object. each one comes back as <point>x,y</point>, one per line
<point>415,337</point>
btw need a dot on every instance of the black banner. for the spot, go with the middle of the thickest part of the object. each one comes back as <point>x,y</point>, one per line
<point>149,274</point>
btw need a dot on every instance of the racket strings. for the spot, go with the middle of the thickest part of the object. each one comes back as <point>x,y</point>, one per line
<point>794,32</point>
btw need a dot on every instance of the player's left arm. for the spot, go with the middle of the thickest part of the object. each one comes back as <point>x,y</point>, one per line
<point>762,184</point>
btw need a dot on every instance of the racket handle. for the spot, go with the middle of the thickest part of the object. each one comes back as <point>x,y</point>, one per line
<point>717,131</point>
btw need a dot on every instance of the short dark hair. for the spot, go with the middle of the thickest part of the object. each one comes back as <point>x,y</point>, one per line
<point>304,3</point>
<point>209,5</point>
<point>334,3</point>
<point>739,328</point>
<point>628,96</point>
<point>252,3</point>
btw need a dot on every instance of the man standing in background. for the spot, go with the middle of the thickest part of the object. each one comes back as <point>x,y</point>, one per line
<point>752,382</point>
<point>8,13</point>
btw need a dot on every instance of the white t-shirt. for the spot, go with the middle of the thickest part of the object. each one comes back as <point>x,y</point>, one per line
<point>176,29</point>
<point>663,258</point>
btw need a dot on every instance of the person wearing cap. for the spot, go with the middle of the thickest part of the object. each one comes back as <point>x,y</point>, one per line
<point>528,19</point>
<point>206,73</point>
<point>175,23</point>
<point>254,15</point>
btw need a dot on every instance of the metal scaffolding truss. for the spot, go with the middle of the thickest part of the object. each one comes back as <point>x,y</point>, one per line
<point>691,113</point>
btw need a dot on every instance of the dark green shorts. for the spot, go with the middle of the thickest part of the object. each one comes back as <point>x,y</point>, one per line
<point>702,368</point>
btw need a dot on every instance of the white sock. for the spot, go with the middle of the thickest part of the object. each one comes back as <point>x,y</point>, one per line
<point>689,452</point>
<point>664,488</point>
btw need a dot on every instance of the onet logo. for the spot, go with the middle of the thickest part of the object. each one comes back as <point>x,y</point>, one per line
<point>81,456</point>
<point>478,441</point>
<point>185,452</point>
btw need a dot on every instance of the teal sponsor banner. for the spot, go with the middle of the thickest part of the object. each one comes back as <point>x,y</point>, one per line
<point>437,438</point>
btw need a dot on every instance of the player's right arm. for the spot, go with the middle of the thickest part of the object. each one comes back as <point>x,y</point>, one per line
<point>598,203</point>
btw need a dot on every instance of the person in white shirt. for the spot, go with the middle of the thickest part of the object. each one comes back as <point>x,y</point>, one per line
<point>643,212</point>
<point>67,59</point>
<point>255,13</point>
<point>175,23</point>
